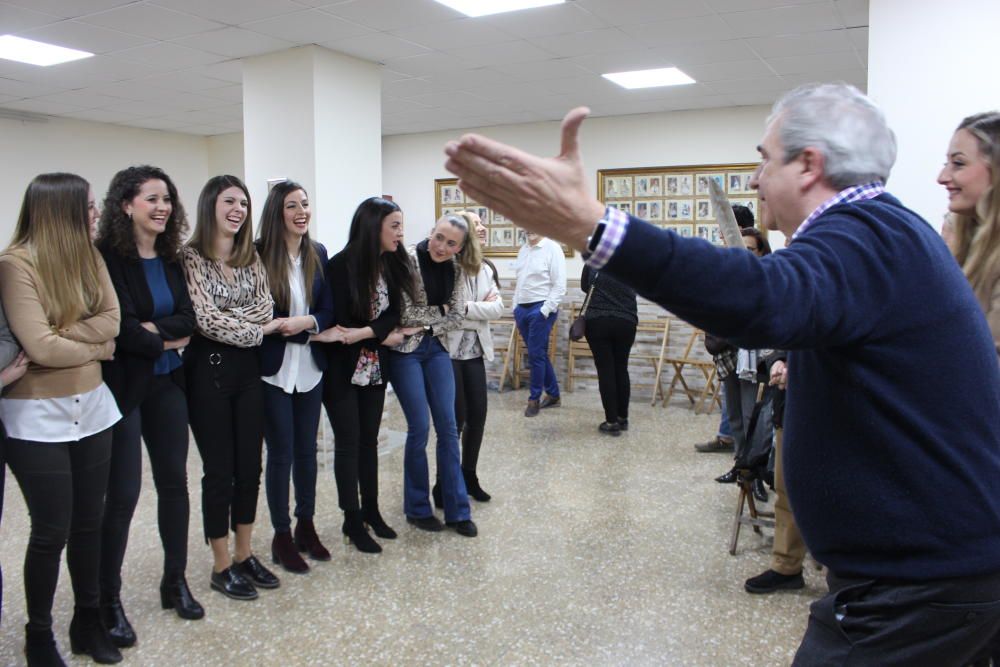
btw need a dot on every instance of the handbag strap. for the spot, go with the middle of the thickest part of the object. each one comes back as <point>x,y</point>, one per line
<point>586,302</point>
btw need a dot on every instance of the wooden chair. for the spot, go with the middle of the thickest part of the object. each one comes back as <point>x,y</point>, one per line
<point>503,348</point>
<point>707,394</point>
<point>757,518</point>
<point>518,372</point>
<point>652,349</point>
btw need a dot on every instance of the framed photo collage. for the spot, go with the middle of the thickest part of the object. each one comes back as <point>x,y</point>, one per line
<point>677,198</point>
<point>503,238</point>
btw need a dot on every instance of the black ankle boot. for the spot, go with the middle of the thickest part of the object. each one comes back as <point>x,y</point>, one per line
<point>730,477</point>
<point>436,495</point>
<point>40,649</point>
<point>472,486</point>
<point>116,623</point>
<point>87,635</point>
<point>371,516</point>
<point>175,594</point>
<point>355,533</point>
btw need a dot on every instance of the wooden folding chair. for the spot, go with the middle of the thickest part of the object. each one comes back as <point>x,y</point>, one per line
<point>503,347</point>
<point>707,367</point>
<point>758,519</point>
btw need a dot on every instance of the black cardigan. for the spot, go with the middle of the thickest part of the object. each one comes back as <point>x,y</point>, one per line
<point>136,350</point>
<point>343,359</point>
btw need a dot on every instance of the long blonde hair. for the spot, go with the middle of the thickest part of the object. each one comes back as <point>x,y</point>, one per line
<point>470,257</point>
<point>53,230</point>
<point>977,238</point>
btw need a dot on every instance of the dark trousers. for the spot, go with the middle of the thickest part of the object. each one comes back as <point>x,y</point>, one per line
<point>3,476</point>
<point>356,415</point>
<point>290,425</point>
<point>470,408</point>
<point>226,409</point>
<point>63,485</point>
<point>162,421</point>
<point>944,623</point>
<point>610,339</point>
<point>535,330</point>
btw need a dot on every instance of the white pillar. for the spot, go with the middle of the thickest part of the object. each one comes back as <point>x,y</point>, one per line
<point>314,116</point>
<point>929,66</point>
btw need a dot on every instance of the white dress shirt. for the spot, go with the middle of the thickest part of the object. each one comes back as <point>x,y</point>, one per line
<point>63,419</point>
<point>541,275</point>
<point>298,371</point>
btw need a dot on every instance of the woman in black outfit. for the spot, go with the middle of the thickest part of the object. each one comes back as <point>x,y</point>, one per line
<point>612,318</point>
<point>141,229</point>
<point>367,278</point>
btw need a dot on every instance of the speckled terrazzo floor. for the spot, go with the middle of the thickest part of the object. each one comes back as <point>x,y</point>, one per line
<point>594,551</point>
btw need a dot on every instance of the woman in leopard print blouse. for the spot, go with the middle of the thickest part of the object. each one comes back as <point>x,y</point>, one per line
<point>233,308</point>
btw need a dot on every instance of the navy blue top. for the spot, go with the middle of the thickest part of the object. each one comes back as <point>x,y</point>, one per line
<point>892,420</point>
<point>163,305</point>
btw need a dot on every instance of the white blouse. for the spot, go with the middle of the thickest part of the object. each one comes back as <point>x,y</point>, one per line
<point>298,371</point>
<point>63,419</point>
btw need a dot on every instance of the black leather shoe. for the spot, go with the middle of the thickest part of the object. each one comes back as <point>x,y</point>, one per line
<point>728,478</point>
<point>254,571</point>
<point>759,492</point>
<point>175,594</point>
<point>371,516</point>
<point>623,424</point>
<point>232,584</point>
<point>88,636</point>
<point>116,623</point>
<point>608,428</point>
<point>436,496</point>
<point>428,523</point>
<point>771,581</point>
<point>466,528</point>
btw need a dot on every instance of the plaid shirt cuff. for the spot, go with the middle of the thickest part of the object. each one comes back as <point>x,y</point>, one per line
<point>615,225</point>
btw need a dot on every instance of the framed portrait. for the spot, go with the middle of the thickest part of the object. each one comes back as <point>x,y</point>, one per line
<point>625,207</point>
<point>679,185</point>
<point>735,184</point>
<point>703,210</point>
<point>708,231</point>
<point>656,186</point>
<point>502,237</point>
<point>702,181</point>
<point>521,237</point>
<point>655,210</point>
<point>685,229</point>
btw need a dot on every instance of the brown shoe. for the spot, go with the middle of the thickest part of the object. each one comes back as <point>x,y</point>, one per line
<point>716,445</point>
<point>550,402</point>
<point>532,409</point>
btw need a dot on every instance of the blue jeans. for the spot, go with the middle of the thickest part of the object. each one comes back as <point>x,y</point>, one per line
<point>290,425</point>
<point>421,379</point>
<point>725,432</point>
<point>535,330</point>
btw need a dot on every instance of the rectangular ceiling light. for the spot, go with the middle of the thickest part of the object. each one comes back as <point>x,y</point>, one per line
<point>650,78</point>
<point>37,53</point>
<point>487,7</point>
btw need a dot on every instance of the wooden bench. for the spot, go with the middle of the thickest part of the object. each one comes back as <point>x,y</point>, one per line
<point>651,337</point>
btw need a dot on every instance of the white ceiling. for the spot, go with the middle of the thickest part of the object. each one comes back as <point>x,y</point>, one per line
<point>174,64</point>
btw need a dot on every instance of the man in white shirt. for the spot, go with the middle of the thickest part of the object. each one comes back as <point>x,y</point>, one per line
<point>541,285</point>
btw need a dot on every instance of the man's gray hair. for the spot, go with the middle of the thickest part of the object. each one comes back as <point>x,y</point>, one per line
<point>844,125</point>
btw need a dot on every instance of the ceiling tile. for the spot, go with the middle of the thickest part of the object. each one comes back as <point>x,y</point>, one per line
<point>101,115</point>
<point>495,54</point>
<point>16,19</point>
<point>856,77</point>
<point>605,40</point>
<point>387,15</point>
<point>783,20</point>
<point>231,12</point>
<point>429,63</point>
<point>169,56</point>
<point>602,63</point>
<point>469,78</point>
<point>68,9</point>
<point>815,62</point>
<point>227,93</point>
<point>85,37</point>
<point>185,81</point>
<point>729,70</point>
<point>43,107</point>
<point>234,43</point>
<point>151,21</point>
<point>19,89</point>
<point>230,70</point>
<point>453,35</point>
<point>146,109</point>
<point>755,84</point>
<point>376,47</point>
<point>756,98</point>
<point>854,13</point>
<point>544,21</point>
<point>680,31</point>
<point>154,124</point>
<point>196,117</point>
<point>706,52</point>
<point>827,41</point>
<point>624,12</point>
<point>88,72</point>
<point>407,87</point>
<point>540,70</point>
<point>307,27</point>
<point>724,6</point>
<point>82,99</point>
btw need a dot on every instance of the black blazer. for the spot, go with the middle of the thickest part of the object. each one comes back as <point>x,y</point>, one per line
<point>272,350</point>
<point>343,359</point>
<point>136,350</point>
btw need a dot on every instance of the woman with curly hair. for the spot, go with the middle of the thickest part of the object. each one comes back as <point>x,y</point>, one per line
<point>142,223</point>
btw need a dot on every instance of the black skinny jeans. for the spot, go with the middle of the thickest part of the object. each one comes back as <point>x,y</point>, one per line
<point>161,420</point>
<point>470,408</point>
<point>226,409</point>
<point>356,415</point>
<point>63,485</point>
<point>610,339</point>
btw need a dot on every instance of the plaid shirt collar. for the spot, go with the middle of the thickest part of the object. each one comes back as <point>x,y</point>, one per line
<point>845,196</point>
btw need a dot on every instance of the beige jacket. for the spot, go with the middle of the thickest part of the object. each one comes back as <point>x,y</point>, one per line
<point>478,312</point>
<point>991,309</point>
<point>63,361</point>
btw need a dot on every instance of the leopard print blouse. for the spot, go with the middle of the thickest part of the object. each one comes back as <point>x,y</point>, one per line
<point>234,311</point>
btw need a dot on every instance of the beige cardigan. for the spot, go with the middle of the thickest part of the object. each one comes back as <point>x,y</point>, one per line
<point>479,312</point>
<point>991,308</point>
<point>63,361</point>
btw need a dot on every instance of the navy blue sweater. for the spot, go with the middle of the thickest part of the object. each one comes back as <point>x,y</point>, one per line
<point>892,422</point>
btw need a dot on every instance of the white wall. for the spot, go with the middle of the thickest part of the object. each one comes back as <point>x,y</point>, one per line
<point>95,151</point>
<point>225,155</point>
<point>410,163</point>
<point>929,66</point>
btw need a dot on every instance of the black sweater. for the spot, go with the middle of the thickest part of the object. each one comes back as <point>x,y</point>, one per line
<point>611,298</point>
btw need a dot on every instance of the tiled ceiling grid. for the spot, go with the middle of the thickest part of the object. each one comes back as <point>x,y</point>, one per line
<point>174,64</point>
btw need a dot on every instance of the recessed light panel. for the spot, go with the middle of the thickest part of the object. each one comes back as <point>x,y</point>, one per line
<point>486,7</point>
<point>650,78</point>
<point>37,53</point>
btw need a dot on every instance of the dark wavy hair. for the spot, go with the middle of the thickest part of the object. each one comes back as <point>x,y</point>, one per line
<point>116,231</point>
<point>274,252</point>
<point>366,261</point>
<point>203,238</point>
<point>762,242</point>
